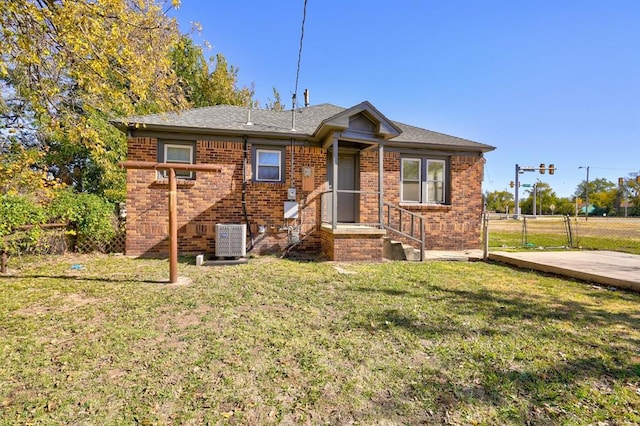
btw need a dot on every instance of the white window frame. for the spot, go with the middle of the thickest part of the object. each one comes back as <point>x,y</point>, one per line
<point>258,165</point>
<point>180,174</point>
<point>424,182</point>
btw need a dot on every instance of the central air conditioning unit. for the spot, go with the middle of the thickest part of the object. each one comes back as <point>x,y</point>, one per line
<point>231,240</point>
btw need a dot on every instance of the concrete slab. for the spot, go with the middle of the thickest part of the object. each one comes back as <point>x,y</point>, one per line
<point>460,255</point>
<point>225,262</point>
<point>602,267</point>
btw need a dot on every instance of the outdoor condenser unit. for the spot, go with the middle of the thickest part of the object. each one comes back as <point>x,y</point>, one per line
<point>231,240</point>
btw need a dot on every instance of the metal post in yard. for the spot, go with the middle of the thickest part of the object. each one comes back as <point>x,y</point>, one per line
<point>485,236</point>
<point>422,244</point>
<point>3,268</point>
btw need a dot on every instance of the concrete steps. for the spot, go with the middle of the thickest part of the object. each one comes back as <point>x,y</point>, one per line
<point>396,250</point>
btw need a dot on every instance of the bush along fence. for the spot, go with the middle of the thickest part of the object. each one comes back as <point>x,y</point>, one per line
<point>69,222</point>
<point>562,232</point>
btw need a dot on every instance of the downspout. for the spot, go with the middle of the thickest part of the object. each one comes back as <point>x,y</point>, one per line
<point>244,193</point>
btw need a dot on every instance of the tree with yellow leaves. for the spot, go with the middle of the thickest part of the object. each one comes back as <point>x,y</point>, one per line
<point>69,67</point>
<point>77,64</point>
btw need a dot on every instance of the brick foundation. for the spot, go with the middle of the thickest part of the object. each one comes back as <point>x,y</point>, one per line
<point>352,246</point>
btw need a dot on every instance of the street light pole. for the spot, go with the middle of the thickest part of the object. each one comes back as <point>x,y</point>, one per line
<point>586,190</point>
<point>517,197</point>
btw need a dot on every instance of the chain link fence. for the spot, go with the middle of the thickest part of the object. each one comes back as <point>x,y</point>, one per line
<point>562,232</point>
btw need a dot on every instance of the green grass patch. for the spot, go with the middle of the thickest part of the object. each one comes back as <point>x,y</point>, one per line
<point>278,341</point>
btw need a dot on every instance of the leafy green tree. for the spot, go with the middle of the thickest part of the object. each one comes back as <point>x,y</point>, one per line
<point>499,201</point>
<point>630,191</point>
<point>595,186</point>
<point>275,104</point>
<point>75,65</point>
<point>202,87</point>
<point>602,195</point>
<point>564,206</point>
<point>544,198</point>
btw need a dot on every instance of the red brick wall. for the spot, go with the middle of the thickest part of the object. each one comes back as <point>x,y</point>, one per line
<point>448,227</point>
<point>217,198</point>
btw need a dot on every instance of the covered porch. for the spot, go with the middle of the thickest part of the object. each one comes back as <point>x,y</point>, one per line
<point>354,216</point>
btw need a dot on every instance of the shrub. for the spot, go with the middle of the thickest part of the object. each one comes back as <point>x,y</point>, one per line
<point>19,210</point>
<point>89,216</point>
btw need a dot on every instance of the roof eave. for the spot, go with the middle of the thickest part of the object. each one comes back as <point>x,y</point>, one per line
<point>248,131</point>
<point>424,145</point>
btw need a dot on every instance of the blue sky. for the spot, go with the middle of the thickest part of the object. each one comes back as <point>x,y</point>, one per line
<point>542,81</point>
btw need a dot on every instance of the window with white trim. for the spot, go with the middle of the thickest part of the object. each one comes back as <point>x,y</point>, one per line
<point>423,180</point>
<point>268,165</point>
<point>181,153</point>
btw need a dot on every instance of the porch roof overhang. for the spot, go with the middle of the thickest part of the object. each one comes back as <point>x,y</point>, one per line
<point>339,124</point>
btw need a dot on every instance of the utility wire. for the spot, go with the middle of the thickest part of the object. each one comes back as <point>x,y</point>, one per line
<point>304,18</point>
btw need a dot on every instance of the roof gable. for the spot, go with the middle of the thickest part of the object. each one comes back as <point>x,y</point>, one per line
<point>362,118</point>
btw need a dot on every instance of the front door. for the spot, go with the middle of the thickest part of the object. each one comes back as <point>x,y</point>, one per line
<point>347,180</point>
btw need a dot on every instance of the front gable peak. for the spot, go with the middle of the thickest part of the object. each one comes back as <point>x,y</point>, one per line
<point>362,119</point>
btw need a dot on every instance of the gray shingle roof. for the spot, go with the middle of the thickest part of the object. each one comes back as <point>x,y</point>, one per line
<point>233,119</point>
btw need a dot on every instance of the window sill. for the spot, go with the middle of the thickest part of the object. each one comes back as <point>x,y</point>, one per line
<point>267,182</point>
<point>426,206</point>
<point>180,183</point>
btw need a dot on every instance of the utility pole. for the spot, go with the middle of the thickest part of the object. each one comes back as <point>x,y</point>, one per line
<point>517,198</point>
<point>535,191</point>
<point>586,190</point>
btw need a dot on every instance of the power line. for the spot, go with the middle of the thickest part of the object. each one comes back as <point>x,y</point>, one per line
<point>304,18</point>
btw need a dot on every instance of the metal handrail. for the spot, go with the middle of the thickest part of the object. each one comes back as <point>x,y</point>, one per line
<point>413,218</point>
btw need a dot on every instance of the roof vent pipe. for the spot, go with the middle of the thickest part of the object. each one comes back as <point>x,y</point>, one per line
<point>306,98</point>
<point>249,123</point>
<point>293,112</point>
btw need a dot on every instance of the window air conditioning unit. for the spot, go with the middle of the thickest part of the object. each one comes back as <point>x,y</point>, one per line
<point>231,240</point>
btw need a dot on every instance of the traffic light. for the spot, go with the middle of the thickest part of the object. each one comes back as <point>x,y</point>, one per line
<point>552,169</point>
<point>542,167</point>
<point>638,179</point>
<point>620,182</point>
<point>511,184</point>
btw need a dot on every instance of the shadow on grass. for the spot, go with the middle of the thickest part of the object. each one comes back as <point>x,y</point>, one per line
<point>82,278</point>
<point>593,368</point>
<point>388,291</point>
<point>543,396</point>
<point>542,310</point>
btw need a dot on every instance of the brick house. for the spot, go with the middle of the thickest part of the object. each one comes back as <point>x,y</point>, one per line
<point>276,175</point>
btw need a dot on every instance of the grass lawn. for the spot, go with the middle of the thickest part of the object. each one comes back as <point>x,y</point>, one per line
<point>281,342</point>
